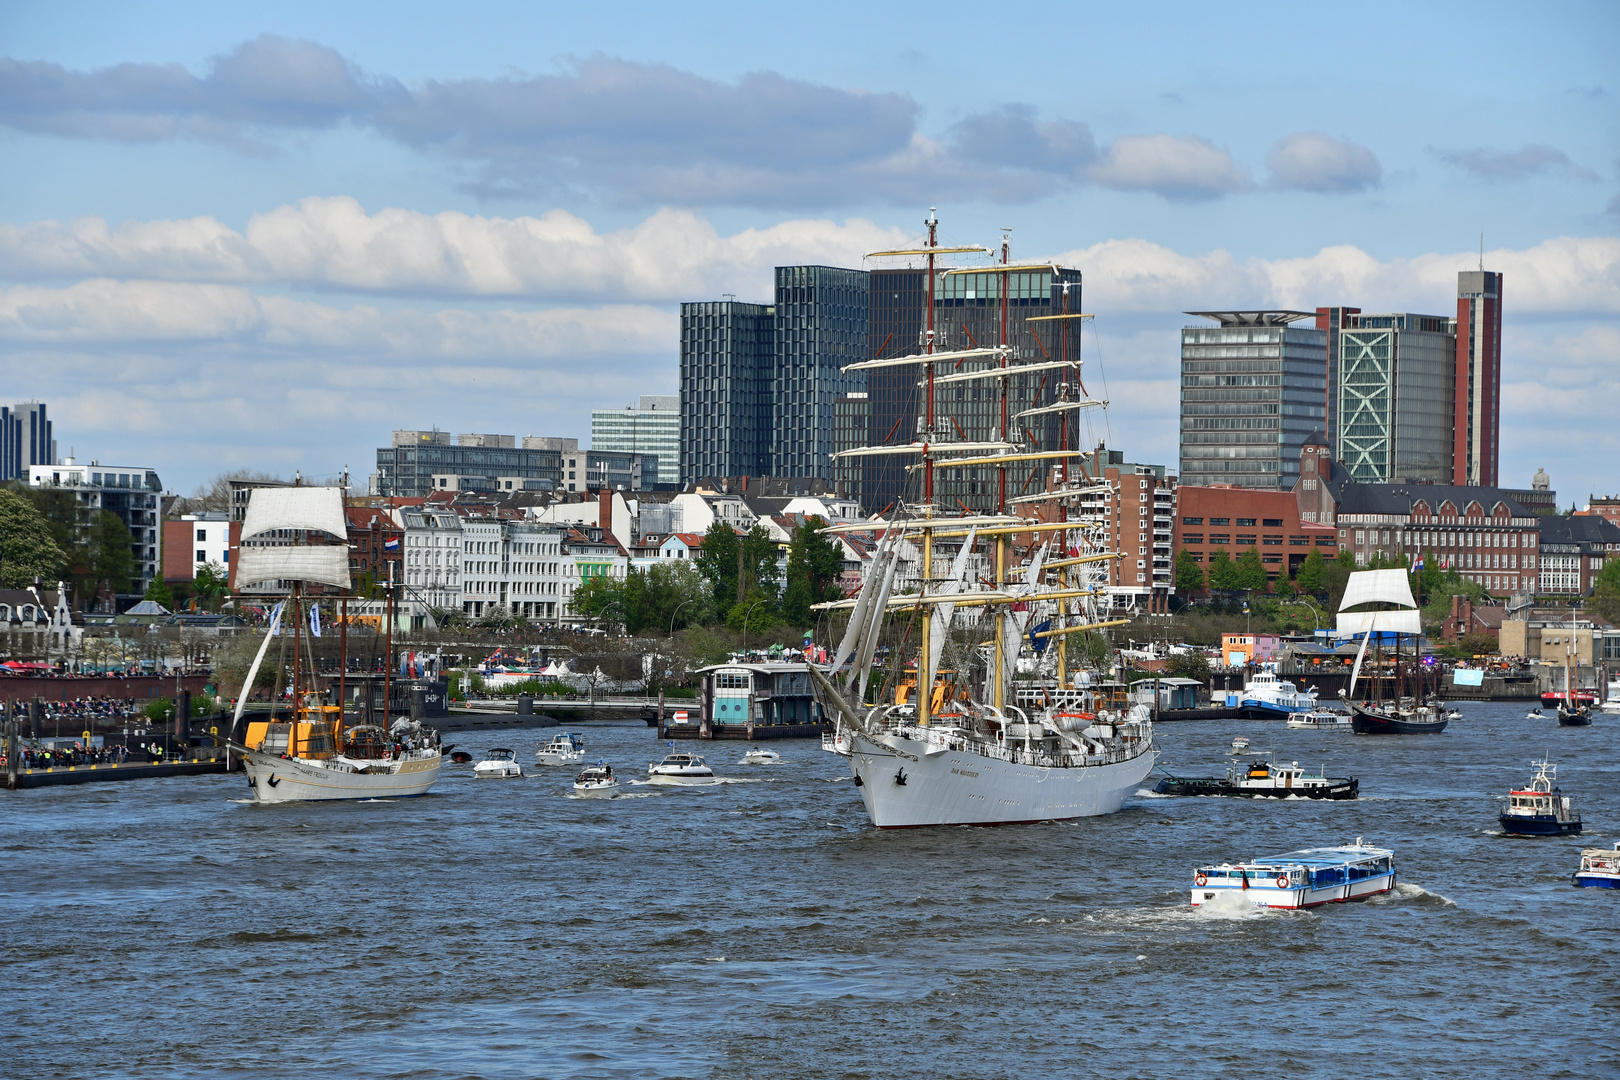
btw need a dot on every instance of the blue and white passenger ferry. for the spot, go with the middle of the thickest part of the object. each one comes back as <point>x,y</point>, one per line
<point>1266,697</point>
<point>1301,879</point>
<point>1600,868</point>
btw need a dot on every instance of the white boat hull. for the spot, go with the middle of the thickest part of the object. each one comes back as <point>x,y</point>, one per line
<point>951,787</point>
<point>596,791</point>
<point>283,780</point>
<point>545,757</point>
<point>681,778</point>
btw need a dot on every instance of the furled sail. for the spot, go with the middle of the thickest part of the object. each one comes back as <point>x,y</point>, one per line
<point>941,615</point>
<point>306,508</point>
<point>327,564</point>
<point>1378,586</point>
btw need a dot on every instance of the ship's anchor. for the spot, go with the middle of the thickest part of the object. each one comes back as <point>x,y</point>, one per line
<point>273,781</point>
<point>900,777</point>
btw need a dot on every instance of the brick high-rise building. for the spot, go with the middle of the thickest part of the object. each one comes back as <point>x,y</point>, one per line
<point>1477,424</point>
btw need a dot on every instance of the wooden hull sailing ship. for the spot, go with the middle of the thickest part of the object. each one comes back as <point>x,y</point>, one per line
<point>312,755</point>
<point>948,747</point>
<point>1409,707</point>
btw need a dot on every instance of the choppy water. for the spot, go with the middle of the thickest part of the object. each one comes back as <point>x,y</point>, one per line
<point>762,928</point>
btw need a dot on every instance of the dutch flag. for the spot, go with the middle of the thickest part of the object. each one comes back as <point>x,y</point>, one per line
<point>391,545</point>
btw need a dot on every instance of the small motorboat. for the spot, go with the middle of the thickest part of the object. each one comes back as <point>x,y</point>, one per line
<point>461,757</point>
<point>1454,714</point>
<point>758,755</point>
<point>1535,714</point>
<point>1320,719</point>
<point>596,782</point>
<point>565,748</point>
<point>1600,869</point>
<point>1240,743</point>
<point>1540,809</point>
<point>680,769</point>
<point>499,765</point>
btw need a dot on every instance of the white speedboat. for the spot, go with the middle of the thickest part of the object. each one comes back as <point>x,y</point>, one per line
<point>1322,719</point>
<point>1535,714</point>
<point>1300,879</point>
<point>566,748</point>
<point>1454,714</point>
<point>596,782</point>
<point>1240,743</point>
<point>500,764</point>
<point>680,769</point>
<point>1611,703</point>
<point>760,756</point>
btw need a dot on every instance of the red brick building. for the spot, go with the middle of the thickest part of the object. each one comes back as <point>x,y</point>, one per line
<point>1238,519</point>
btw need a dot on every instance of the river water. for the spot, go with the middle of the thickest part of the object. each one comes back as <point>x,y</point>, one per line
<point>760,927</point>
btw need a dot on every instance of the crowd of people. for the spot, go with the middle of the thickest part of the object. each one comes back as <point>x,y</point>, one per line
<point>91,710</point>
<point>34,757</point>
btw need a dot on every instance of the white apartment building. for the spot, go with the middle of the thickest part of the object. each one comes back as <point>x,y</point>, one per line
<point>518,565</point>
<point>128,492</point>
<point>433,559</point>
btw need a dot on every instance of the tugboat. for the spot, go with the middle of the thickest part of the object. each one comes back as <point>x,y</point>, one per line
<point>1301,879</point>
<point>1264,780</point>
<point>1540,809</point>
<point>1600,869</point>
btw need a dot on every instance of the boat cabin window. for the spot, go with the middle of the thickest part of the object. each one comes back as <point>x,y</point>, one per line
<point>731,680</point>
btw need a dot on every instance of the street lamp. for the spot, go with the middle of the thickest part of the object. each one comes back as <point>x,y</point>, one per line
<point>677,611</point>
<point>750,611</point>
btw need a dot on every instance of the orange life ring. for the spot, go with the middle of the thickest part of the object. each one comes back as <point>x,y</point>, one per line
<point>1282,881</point>
<point>1201,880</point>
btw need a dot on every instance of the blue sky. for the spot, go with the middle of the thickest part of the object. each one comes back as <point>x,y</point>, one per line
<point>287,229</point>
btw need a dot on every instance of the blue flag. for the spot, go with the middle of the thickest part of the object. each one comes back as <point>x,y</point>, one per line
<point>315,619</point>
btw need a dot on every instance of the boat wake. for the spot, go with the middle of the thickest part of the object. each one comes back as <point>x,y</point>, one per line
<point>1230,906</point>
<point>1149,793</point>
<point>1405,892</point>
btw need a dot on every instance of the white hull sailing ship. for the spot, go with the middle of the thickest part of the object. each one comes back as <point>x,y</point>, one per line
<point>313,756</point>
<point>949,749</point>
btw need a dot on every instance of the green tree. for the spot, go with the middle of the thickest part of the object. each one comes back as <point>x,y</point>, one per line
<point>1251,572</point>
<point>1345,557</point>
<point>1189,574</point>
<point>1189,665</point>
<point>109,547</point>
<point>1309,578</point>
<point>717,562</point>
<point>755,613</point>
<point>600,597</point>
<point>1606,591</point>
<point>1223,572</point>
<point>29,547</point>
<point>159,593</point>
<point>211,584</point>
<point>815,563</point>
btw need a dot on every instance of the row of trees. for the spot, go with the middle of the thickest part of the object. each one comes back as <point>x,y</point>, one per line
<point>47,533</point>
<point>731,581</point>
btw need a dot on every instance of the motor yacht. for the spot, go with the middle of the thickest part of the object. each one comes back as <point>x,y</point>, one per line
<point>499,765</point>
<point>1321,720</point>
<point>760,756</point>
<point>1600,868</point>
<point>1240,743</point>
<point>596,782</point>
<point>680,769</point>
<point>565,748</point>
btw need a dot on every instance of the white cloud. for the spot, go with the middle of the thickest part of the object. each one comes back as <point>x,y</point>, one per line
<point>332,243</point>
<point>122,313</point>
<point>1566,275</point>
<point>1183,168</point>
<point>1312,161</point>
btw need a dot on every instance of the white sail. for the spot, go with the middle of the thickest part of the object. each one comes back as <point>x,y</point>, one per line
<point>855,632</point>
<point>863,661</point>
<point>327,564</point>
<point>1390,622</point>
<point>941,615</point>
<point>1378,586</point>
<point>308,508</point>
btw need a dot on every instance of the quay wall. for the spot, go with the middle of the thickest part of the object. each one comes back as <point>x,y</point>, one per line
<point>140,687</point>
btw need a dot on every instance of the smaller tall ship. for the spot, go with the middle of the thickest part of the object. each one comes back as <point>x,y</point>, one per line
<point>312,754</point>
<point>1573,711</point>
<point>1402,702</point>
<point>1539,809</point>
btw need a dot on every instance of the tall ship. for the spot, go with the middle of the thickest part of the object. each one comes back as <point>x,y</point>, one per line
<point>309,753</point>
<point>1401,702</point>
<point>939,739</point>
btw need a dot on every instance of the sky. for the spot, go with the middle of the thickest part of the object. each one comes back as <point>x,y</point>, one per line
<point>262,237</point>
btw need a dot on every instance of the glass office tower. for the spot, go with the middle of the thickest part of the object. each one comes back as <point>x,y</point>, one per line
<point>728,367</point>
<point>1395,397</point>
<point>1253,388</point>
<point>821,324</point>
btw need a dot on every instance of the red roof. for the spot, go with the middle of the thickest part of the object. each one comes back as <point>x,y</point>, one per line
<point>691,540</point>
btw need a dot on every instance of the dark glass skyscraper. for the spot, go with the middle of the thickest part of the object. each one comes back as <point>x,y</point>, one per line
<point>1477,417</point>
<point>821,326</point>
<point>728,369</point>
<point>897,312</point>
